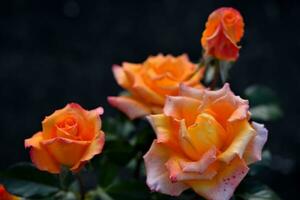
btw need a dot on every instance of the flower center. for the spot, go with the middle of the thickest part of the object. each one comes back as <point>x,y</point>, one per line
<point>68,125</point>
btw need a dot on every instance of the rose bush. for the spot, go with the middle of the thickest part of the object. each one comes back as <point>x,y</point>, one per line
<point>204,141</point>
<point>70,137</point>
<point>224,29</point>
<point>148,83</point>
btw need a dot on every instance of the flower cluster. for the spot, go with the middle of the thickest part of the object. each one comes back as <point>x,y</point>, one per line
<point>205,139</point>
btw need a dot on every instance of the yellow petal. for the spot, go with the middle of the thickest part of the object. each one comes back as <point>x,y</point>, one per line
<point>203,135</point>
<point>166,129</point>
<point>242,133</point>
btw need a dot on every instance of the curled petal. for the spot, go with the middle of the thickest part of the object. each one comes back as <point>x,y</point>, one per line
<point>40,156</point>
<point>177,174</point>
<point>157,173</point>
<point>221,46</point>
<point>180,107</point>
<point>192,92</point>
<point>202,164</point>
<point>166,129</point>
<point>93,149</point>
<point>65,151</point>
<point>254,149</point>
<point>222,186</point>
<point>242,134</point>
<point>132,108</point>
<point>120,76</point>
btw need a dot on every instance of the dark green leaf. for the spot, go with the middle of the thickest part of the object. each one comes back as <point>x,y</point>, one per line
<point>26,181</point>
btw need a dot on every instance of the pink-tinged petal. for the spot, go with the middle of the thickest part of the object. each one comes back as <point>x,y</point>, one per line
<point>65,151</point>
<point>180,107</point>
<point>224,105</point>
<point>166,129</point>
<point>222,186</point>
<point>94,148</point>
<point>242,133</point>
<point>40,156</point>
<point>202,164</point>
<point>254,149</point>
<point>157,173</point>
<point>120,76</point>
<point>176,174</point>
<point>192,92</point>
<point>132,108</point>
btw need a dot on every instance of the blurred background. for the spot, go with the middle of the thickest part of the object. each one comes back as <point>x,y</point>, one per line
<point>60,51</point>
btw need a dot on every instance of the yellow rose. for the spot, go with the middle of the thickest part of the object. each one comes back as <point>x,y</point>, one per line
<point>205,142</point>
<point>70,137</point>
<point>149,83</point>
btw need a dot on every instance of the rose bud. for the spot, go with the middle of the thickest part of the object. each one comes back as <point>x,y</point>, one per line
<point>224,29</point>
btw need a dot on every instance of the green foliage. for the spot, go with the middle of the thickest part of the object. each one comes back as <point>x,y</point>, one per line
<point>25,180</point>
<point>264,103</point>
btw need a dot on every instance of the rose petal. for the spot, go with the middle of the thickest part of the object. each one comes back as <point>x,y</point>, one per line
<point>222,186</point>
<point>204,134</point>
<point>65,151</point>
<point>195,78</point>
<point>220,45</point>
<point>157,174</point>
<point>132,108</point>
<point>254,148</point>
<point>192,92</point>
<point>40,156</point>
<point>146,93</point>
<point>94,148</point>
<point>166,129</point>
<point>242,134</point>
<point>202,164</point>
<point>177,174</point>
<point>182,108</point>
<point>120,76</point>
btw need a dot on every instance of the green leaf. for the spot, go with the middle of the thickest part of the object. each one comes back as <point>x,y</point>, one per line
<point>266,112</point>
<point>258,94</point>
<point>26,181</point>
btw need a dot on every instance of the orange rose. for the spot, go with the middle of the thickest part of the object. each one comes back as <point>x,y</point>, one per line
<point>224,29</point>
<point>205,142</point>
<point>70,137</point>
<point>149,83</point>
<point>4,195</point>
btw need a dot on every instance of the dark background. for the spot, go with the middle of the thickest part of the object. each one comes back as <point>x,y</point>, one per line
<point>55,52</point>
